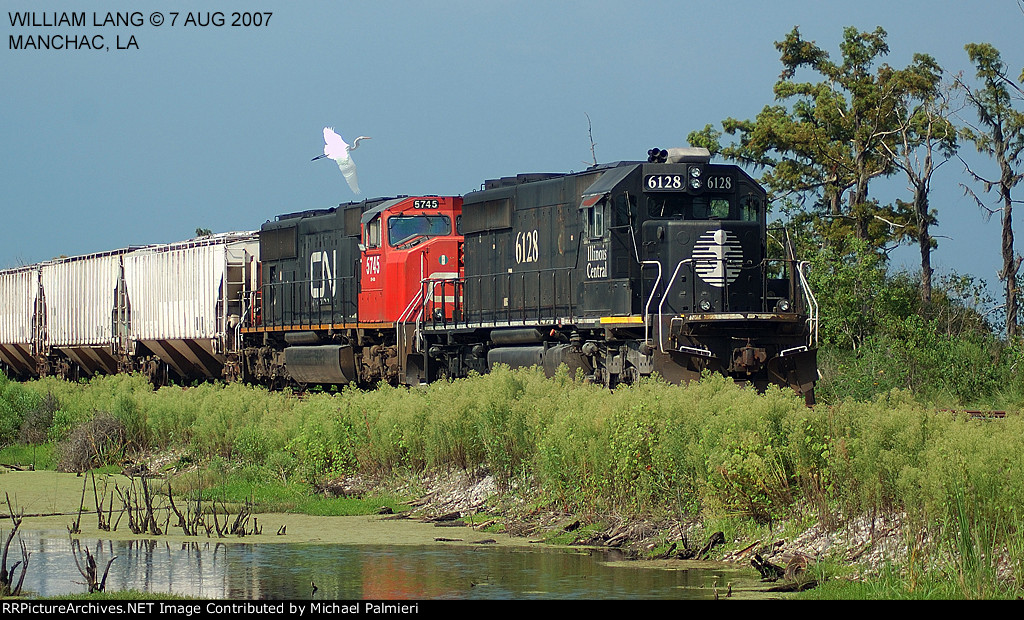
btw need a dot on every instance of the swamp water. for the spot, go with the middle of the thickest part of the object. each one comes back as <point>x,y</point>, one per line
<point>242,571</point>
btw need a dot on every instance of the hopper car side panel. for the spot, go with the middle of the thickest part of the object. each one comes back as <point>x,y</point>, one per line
<point>184,301</point>
<point>19,289</point>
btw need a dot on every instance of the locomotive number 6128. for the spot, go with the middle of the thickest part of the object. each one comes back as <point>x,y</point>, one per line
<point>665,182</point>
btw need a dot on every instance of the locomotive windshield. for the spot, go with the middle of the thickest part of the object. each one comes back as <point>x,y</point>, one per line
<point>408,230</point>
<point>687,207</point>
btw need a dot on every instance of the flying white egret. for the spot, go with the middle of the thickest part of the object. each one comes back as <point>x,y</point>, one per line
<point>338,150</point>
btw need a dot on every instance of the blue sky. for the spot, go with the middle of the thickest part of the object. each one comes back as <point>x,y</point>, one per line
<point>214,127</point>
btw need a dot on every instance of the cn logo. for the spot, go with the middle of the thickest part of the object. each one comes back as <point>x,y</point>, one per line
<point>321,274</point>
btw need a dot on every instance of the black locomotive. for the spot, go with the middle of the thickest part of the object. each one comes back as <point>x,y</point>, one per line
<point>624,270</point>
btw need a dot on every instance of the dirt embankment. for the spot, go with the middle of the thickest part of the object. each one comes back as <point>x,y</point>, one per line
<point>865,543</point>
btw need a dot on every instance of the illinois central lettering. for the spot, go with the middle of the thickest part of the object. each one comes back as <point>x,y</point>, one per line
<point>321,274</point>
<point>597,261</point>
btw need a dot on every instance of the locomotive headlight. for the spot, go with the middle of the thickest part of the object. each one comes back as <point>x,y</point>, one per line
<point>704,305</point>
<point>695,173</point>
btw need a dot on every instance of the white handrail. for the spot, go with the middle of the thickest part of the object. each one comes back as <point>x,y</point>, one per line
<point>654,291</point>
<point>812,301</point>
<point>668,287</point>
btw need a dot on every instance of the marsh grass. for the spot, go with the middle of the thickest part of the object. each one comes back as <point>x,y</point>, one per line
<point>33,456</point>
<point>707,451</point>
<point>236,486</point>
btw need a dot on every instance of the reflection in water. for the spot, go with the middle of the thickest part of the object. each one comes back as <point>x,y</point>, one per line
<point>241,571</point>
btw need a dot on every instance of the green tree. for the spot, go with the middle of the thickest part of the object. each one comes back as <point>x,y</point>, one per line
<point>925,139</point>
<point>1000,135</point>
<point>834,136</point>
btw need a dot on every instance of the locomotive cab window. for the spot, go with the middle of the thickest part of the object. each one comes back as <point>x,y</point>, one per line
<point>750,208</point>
<point>412,230</point>
<point>710,209</point>
<point>686,207</point>
<point>668,205</point>
<point>623,209</point>
<point>595,220</point>
<point>372,233</point>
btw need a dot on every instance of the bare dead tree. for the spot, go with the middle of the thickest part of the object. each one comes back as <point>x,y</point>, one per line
<point>8,587</point>
<point>128,506</point>
<point>75,527</point>
<point>93,581</point>
<point>149,520</point>
<point>925,140</point>
<point>191,520</point>
<point>103,523</point>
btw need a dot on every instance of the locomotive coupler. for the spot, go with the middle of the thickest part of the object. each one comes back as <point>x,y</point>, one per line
<point>748,358</point>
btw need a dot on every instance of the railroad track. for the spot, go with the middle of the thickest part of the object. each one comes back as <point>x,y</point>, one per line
<point>982,414</point>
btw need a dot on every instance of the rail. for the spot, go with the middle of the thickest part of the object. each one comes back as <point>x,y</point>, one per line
<point>654,291</point>
<point>297,303</point>
<point>664,296</point>
<point>812,301</point>
<point>414,308</point>
<point>503,299</point>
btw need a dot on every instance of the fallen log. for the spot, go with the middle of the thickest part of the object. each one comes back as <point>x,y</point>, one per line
<point>769,571</point>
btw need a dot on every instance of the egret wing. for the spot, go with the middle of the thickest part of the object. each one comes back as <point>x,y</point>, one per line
<point>348,168</point>
<point>334,146</point>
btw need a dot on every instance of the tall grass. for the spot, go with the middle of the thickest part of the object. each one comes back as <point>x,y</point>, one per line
<point>709,449</point>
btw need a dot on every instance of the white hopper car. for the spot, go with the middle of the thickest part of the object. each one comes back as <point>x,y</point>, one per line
<point>170,311</point>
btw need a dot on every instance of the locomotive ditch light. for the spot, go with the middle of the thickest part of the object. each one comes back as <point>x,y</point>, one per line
<point>783,305</point>
<point>705,305</point>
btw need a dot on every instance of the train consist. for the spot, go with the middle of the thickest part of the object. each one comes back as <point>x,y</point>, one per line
<point>620,271</point>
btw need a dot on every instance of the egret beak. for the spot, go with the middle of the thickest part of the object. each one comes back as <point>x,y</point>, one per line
<point>318,157</point>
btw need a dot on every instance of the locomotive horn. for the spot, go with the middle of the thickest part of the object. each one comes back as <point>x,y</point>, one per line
<point>657,156</point>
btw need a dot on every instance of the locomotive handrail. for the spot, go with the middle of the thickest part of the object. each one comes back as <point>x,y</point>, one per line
<point>521,283</point>
<point>408,312</point>
<point>654,291</point>
<point>292,305</point>
<point>427,297</point>
<point>812,301</point>
<point>668,287</point>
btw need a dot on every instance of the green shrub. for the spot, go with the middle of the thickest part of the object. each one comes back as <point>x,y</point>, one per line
<point>16,401</point>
